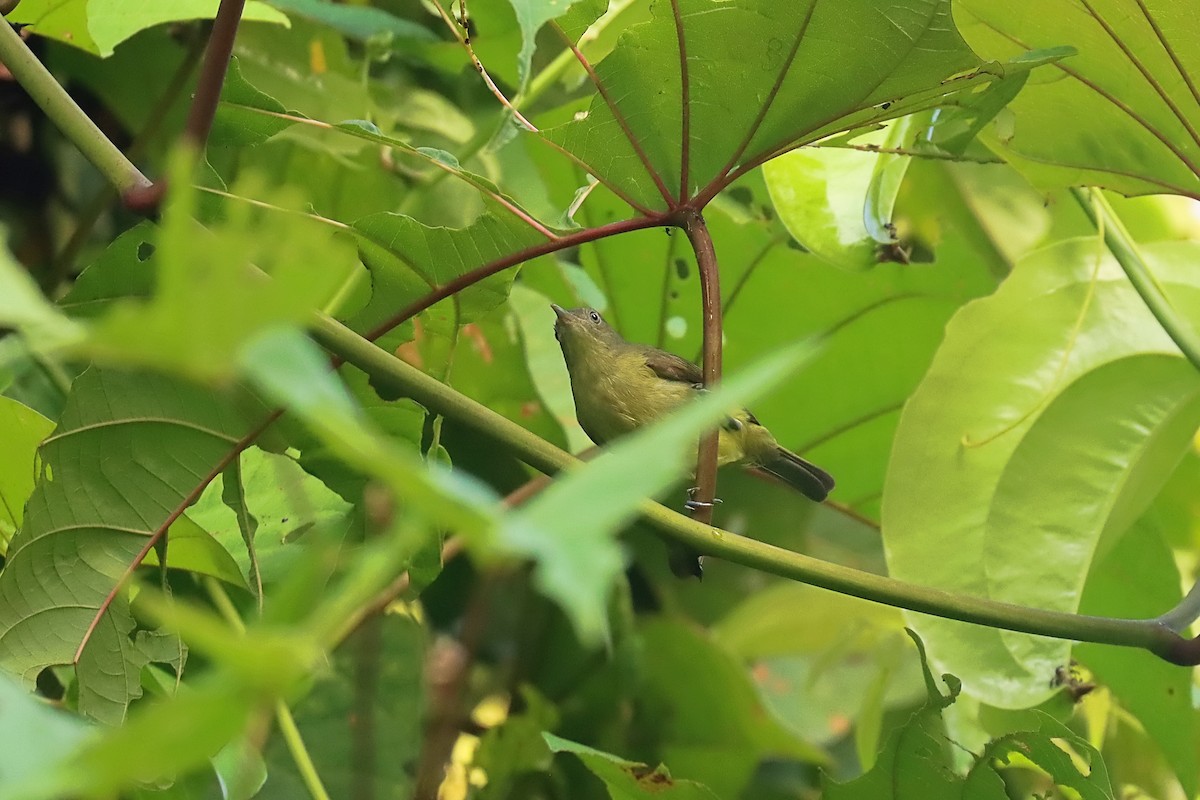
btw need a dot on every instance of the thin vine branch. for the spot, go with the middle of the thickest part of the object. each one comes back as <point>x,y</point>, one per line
<point>464,38</point>
<point>1125,251</point>
<point>933,155</point>
<point>283,714</point>
<point>1149,634</point>
<point>66,114</point>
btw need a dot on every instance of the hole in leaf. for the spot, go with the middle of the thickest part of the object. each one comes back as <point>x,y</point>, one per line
<point>144,251</point>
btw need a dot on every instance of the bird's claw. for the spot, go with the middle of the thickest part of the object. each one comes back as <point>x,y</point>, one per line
<point>692,505</point>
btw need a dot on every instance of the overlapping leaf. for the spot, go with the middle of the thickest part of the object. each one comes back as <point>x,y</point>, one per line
<point>1123,113</point>
<point>1051,415</point>
<point>127,451</point>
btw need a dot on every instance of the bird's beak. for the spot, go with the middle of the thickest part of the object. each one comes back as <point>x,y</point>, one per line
<point>559,311</point>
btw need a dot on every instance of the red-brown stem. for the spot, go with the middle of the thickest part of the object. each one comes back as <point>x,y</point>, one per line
<point>685,135</point>
<point>618,116</point>
<point>710,296</point>
<point>474,276</point>
<point>212,73</point>
<point>161,530</point>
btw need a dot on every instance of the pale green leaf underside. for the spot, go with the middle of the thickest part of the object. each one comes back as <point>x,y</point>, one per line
<point>1063,359</point>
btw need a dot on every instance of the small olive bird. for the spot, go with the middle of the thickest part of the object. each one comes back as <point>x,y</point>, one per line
<point>619,386</point>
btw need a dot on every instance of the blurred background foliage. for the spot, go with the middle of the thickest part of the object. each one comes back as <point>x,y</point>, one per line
<point>1003,415</point>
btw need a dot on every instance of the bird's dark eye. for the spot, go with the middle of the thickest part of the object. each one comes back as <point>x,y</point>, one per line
<point>595,317</point>
<point>733,424</point>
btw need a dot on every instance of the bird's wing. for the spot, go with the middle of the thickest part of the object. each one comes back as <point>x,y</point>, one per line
<point>671,367</point>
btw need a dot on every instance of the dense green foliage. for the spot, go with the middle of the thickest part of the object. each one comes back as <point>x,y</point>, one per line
<point>232,570</point>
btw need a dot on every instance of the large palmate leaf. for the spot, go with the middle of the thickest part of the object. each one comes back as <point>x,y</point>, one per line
<point>1123,113</point>
<point>127,452</point>
<point>759,76</point>
<point>1052,414</point>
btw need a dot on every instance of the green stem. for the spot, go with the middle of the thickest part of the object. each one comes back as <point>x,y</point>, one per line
<point>299,753</point>
<point>283,715</point>
<point>64,113</point>
<point>1124,249</point>
<point>1149,634</point>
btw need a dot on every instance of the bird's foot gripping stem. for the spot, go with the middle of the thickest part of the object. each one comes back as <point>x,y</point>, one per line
<point>692,505</point>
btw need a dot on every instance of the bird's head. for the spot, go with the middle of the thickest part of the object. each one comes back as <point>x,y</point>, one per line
<point>581,331</point>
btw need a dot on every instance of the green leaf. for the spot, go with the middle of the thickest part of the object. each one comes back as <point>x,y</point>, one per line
<point>766,624</point>
<point>761,78</point>
<point>286,502</point>
<point>1052,414</point>
<point>34,737</point>
<point>1068,759</point>
<point>24,308</point>
<point>209,301</point>
<point>153,746</point>
<point>699,701</point>
<point>531,16</point>
<point>598,499</point>
<point>628,780</point>
<point>362,719</point>
<point>409,260</point>
<point>245,116</point>
<point>290,369</point>
<point>194,549</point>
<point>357,22</point>
<point>1122,112</point>
<point>127,268</point>
<point>98,26</point>
<point>21,429</point>
<point>915,762</point>
<point>127,452</point>
<point>838,202</point>
<point>1138,577</point>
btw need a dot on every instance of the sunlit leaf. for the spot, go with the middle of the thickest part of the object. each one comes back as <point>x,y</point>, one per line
<point>98,26</point>
<point>22,430</point>
<point>1064,358</point>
